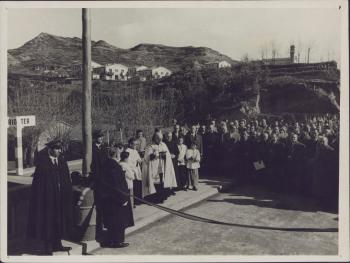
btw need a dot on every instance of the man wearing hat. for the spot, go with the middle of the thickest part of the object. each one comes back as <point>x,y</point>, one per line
<point>51,203</point>
<point>99,157</point>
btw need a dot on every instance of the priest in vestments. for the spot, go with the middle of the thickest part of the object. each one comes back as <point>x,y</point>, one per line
<point>157,172</point>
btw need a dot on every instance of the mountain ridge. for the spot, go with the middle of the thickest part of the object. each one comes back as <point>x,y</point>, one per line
<point>63,51</point>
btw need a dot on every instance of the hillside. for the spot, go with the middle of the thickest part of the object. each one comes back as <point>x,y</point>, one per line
<point>63,51</point>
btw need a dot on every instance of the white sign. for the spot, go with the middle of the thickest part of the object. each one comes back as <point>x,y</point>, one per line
<point>19,122</point>
<point>23,121</point>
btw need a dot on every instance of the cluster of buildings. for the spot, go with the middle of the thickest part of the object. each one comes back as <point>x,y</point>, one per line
<point>117,71</point>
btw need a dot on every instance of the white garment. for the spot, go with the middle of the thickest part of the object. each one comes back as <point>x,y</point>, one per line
<point>152,168</point>
<point>193,158</point>
<point>129,174</point>
<point>134,158</point>
<point>182,154</point>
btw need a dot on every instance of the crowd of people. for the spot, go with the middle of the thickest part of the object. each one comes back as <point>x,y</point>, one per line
<point>285,156</point>
<point>299,157</point>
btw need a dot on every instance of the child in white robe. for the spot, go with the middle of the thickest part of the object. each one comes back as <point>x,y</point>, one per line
<point>193,158</point>
<point>181,160</point>
<point>129,174</point>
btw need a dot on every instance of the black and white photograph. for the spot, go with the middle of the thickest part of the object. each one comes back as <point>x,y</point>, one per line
<point>174,131</point>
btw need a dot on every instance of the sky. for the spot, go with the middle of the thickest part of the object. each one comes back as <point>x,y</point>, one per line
<point>232,31</point>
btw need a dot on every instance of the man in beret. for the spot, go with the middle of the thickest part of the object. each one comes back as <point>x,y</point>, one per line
<point>51,204</point>
<point>99,157</point>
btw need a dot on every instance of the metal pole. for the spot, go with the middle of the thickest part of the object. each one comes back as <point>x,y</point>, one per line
<point>19,149</point>
<point>108,137</point>
<point>86,123</point>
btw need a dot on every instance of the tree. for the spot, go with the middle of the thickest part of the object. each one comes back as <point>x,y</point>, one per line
<point>311,45</point>
<point>245,58</point>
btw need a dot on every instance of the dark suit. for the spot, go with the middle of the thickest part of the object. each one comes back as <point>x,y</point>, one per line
<point>51,204</point>
<point>296,166</point>
<point>275,162</point>
<point>262,152</point>
<point>114,190</point>
<point>176,136</point>
<point>326,177</point>
<point>310,162</point>
<point>210,148</point>
<point>99,157</point>
<point>245,158</point>
<point>189,138</point>
<point>231,154</point>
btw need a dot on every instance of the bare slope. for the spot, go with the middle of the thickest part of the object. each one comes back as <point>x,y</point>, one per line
<point>63,51</point>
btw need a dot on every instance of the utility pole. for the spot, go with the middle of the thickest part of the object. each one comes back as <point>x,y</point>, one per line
<point>86,107</point>
<point>308,55</point>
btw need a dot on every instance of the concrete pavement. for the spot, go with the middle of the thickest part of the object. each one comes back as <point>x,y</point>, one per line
<point>251,206</point>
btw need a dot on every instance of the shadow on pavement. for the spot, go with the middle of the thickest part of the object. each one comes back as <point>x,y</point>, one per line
<point>262,197</point>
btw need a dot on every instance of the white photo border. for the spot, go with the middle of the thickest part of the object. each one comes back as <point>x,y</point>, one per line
<point>343,234</point>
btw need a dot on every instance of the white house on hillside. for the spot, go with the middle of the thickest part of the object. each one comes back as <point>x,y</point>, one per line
<point>218,64</point>
<point>114,72</point>
<point>160,72</point>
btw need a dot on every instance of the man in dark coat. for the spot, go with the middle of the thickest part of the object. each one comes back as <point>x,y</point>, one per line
<point>261,154</point>
<point>210,145</point>
<point>325,183</point>
<point>231,148</point>
<point>310,154</point>
<point>176,132</point>
<point>193,136</point>
<point>296,164</point>
<point>99,157</point>
<point>245,154</point>
<point>275,163</point>
<point>51,204</point>
<point>115,203</point>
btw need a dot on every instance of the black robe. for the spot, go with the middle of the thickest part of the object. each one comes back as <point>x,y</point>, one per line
<point>325,173</point>
<point>296,166</point>
<point>276,162</point>
<point>113,185</point>
<point>245,158</point>
<point>51,203</point>
<point>99,157</point>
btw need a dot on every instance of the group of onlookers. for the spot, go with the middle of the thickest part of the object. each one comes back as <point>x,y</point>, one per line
<point>288,156</point>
